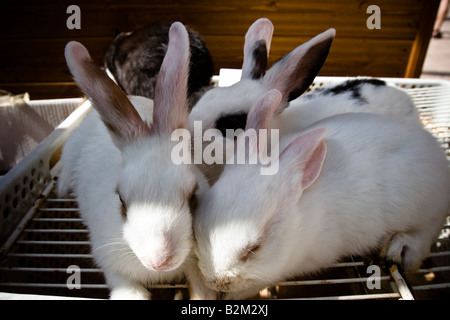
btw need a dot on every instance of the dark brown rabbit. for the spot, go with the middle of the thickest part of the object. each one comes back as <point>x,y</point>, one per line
<point>134,59</point>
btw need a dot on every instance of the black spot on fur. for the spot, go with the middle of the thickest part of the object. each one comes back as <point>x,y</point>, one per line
<point>260,59</point>
<point>354,87</point>
<point>233,121</point>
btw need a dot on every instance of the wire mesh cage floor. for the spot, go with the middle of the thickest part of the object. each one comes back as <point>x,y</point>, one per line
<point>44,241</point>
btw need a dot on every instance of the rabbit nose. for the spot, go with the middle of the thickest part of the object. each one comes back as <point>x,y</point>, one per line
<point>222,283</point>
<point>159,262</point>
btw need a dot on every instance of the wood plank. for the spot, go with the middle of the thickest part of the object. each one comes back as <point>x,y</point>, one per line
<point>34,19</point>
<point>33,34</point>
<point>44,90</point>
<point>43,60</point>
<point>348,56</point>
<point>422,39</point>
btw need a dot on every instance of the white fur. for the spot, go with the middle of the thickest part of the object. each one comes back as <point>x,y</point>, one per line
<point>383,186</point>
<point>153,243</point>
<point>302,112</point>
<point>287,75</point>
<point>221,101</point>
<point>96,168</point>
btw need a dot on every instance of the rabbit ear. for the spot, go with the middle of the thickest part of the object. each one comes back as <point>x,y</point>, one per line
<point>295,72</point>
<point>114,107</point>
<point>261,113</point>
<point>305,154</point>
<point>171,108</point>
<point>256,49</point>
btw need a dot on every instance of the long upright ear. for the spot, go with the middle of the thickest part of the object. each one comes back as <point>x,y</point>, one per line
<point>256,49</point>
<point>170,103</point>
<point>114,107</point>
<point>295,72</point>
<point>305,154</point>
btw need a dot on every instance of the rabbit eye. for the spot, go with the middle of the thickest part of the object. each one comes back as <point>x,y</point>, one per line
<point>193,201</point>
<point>123,209</point>
<point>123,206</point>
<point>249,251</point>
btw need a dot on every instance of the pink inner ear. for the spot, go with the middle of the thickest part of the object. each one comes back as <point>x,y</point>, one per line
<point>306,154</point>
<point>314,165</point>
<point>261,29</point>
<point>262,112</point>
<point>170,103</point>
<point>114,107</point>
<point>75,53</point>
<point>259,118</point>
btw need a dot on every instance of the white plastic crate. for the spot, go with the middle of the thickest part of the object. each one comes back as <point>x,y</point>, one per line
<point>26,123</point>
<point>42,235</point>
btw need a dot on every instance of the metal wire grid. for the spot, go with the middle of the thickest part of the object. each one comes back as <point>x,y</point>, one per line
<point>56,239</point>
<point>53,238</point>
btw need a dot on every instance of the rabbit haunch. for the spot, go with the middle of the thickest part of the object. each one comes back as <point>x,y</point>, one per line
<point>135,202</point>
<point>348,185</point>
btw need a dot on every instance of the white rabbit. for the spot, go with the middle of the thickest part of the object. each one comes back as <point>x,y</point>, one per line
<point>227,107</point>
<point>135,201</point>
<point>221,107</point>
<point>351,184</point>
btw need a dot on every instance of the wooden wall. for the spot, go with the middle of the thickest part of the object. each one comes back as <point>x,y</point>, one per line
<point>33,34</point>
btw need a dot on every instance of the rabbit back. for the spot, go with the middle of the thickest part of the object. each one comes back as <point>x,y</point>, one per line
<point>360,95</point>
<point>382,184</point>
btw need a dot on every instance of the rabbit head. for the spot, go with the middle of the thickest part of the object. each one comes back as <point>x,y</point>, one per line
<point>227,107</point>
<point>134,59</point>
<point>154,196</point>
<point>239,224</point>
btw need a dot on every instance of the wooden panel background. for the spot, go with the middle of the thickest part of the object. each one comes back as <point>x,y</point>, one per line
<point>33,34</point>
